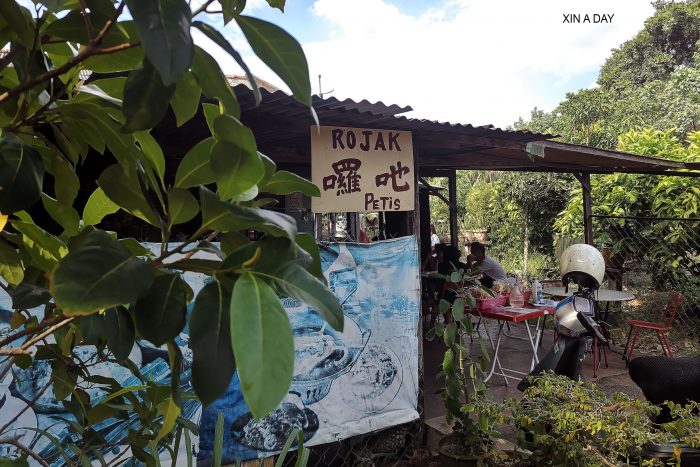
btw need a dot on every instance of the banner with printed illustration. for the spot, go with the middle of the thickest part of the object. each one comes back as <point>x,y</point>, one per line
<point>345,383</point>
<point>357,381</point>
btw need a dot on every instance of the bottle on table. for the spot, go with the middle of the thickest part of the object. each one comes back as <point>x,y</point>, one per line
<point>536,291</point>
<point>516,297</point>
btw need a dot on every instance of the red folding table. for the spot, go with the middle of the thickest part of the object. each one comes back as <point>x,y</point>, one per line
<point>505,315</point>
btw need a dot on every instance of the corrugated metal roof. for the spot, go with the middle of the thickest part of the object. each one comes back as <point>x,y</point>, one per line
<point>281,126</point>
<point>332,111</point>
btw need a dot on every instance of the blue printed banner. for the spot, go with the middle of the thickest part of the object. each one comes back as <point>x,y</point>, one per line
<point>345,383</point>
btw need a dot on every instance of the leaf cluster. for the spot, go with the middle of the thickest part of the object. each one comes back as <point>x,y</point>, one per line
<point>89,79</point>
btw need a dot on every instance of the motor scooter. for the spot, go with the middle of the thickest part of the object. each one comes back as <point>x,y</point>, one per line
<point>575,324</point>
<point>660,378</point>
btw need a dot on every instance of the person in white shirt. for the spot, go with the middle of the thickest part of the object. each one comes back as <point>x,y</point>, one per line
<point>489,268</point>
<point>434,239</point>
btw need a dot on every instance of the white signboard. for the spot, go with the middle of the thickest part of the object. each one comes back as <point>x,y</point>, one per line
<point>361,169</point>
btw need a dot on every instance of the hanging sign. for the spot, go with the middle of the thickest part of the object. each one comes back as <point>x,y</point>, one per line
<point>361,169</point>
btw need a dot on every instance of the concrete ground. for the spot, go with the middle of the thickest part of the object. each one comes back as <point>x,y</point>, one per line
<point>516,354</point>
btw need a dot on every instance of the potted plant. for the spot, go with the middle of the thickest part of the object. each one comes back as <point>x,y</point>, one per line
<point>470,414</point>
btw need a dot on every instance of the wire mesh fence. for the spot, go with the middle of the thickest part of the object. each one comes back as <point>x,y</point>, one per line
<point>651,257</point>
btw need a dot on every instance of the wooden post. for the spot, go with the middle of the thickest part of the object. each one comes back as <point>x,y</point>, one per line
<point>585,180</point>
<point>419,329</point>
<point>452,188</point>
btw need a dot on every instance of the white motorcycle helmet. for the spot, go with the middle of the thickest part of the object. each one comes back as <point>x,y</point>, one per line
<point>582,264</point>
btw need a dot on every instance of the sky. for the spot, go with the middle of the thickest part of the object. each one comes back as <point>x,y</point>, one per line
<point>462,61</point>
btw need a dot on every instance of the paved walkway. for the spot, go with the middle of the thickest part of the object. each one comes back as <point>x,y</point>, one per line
<point>514,353</point>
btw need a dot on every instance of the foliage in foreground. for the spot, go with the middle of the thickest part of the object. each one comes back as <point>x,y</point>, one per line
<point>74,285</point>
<point>564,422</point>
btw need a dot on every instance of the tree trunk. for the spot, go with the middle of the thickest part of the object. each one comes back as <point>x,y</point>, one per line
<point>526,242</point>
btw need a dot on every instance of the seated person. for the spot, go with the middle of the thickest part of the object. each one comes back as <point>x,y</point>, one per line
<point>449,259</point>
<point>489,268</point>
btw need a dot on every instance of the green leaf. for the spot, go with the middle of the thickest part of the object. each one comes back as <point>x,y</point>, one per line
<point>279,4</point>
<point>221,41</point>
<point>450,333</point>
<point>153,153</point>
<point>98,274</point>
<point>135,247</point>
<point>123,188</point>
<point>93,328</point>
<point>218,440</point>
<point>182,206</point>
<point>71,27</point>
<point>211,111</point>
<point>213,82</point>
<point>65,215</point>
<point>185,101</point>
<point>125,60</point>
<point>172,412</point>
<point>95,123</point>
<point>160,313</point>
<point>206,266</point>
<point>44,248</point>
<point>270,168</point>
<point>97,207</point>
<point>281,52</point>
<point>71,149</point>
<point>21,175</point>
<point>458,309</point>
<point>219,215</point>
<point>194,169</point>
<point>308,243</point>
<point>231,241</point>
<point>66,183</point>
<point>236,170</point>
<point>120,332</point>
<point>210,338</point>
<point>263,344</point>
<point>10,264</point>
<point>146,98</point>
<point>96,91</point>
<point>164,29</point>
<point>19,21</point>
<point>284,183</point>
<point>295,281</point>
<point>230,8</point>
<point>231,130</point>
<point>288,444</point>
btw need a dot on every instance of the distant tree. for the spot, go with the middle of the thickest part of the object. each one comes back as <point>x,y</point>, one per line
<point>668,42</point>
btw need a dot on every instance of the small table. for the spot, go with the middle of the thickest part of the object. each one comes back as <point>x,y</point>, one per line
<point>600,295</point>
<point>512,315</point>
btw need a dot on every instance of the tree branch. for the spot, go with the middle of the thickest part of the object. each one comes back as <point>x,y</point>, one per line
<point>86,18</point>
<point>14,441</point>
<point>91,49</point>
<point>202,8</point>
<point>31,330</point>
<point>158,262</point>
<point>117,48</point>
<point>50,330</point>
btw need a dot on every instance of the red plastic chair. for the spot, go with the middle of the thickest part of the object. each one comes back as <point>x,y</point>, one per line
<point>661,328</point>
